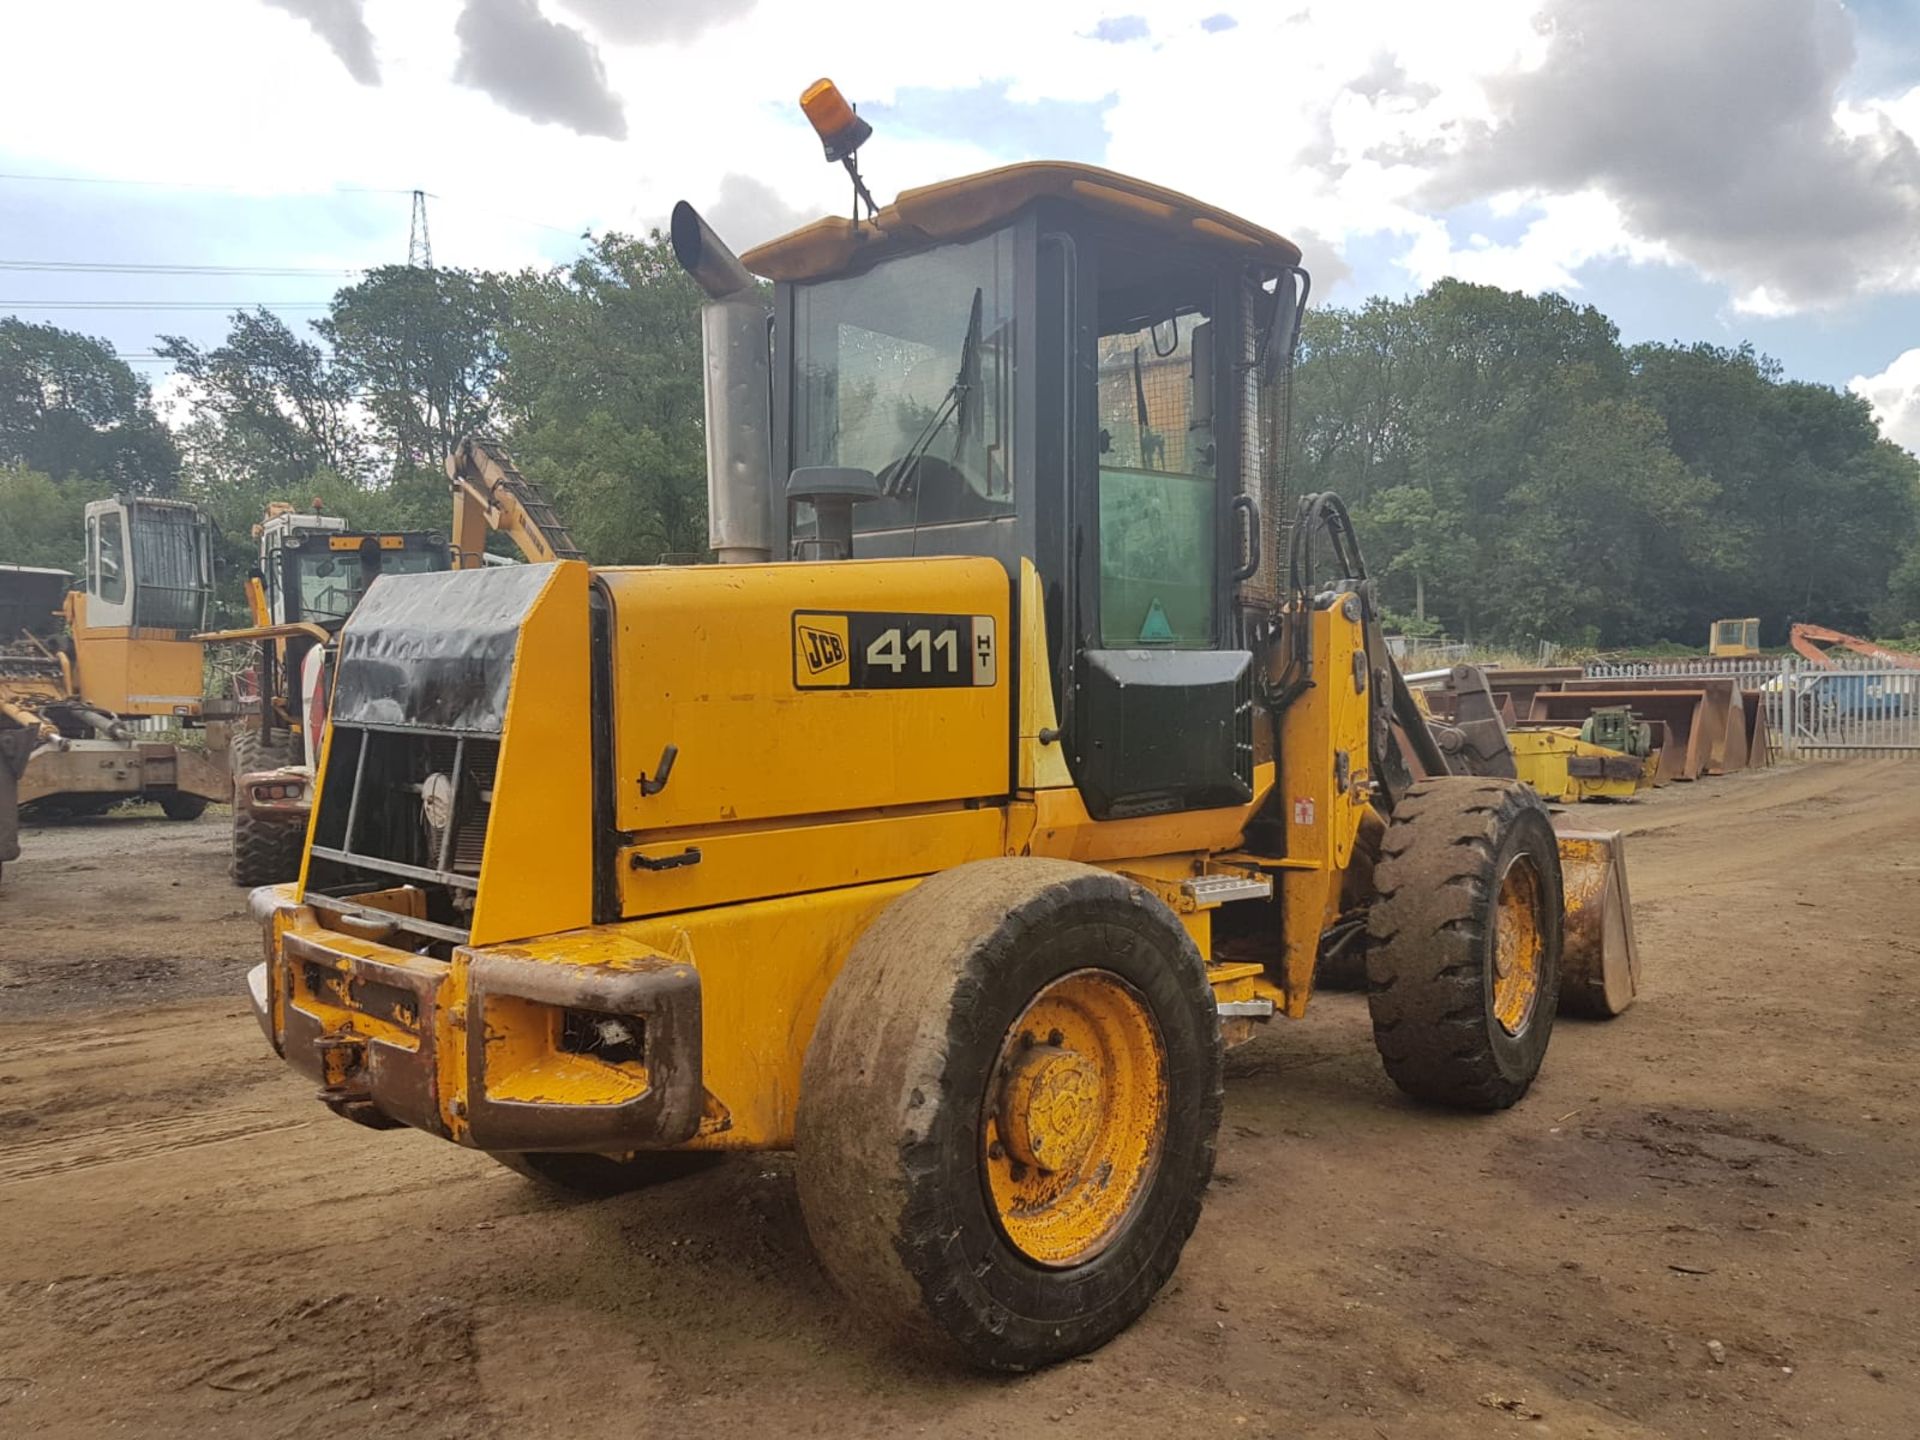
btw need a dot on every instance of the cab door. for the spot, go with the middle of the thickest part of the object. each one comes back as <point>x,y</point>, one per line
<point>1161,711</point>
<point>109,561</point>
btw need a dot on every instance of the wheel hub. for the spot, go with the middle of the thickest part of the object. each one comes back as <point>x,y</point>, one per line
<point>1073,1117</point>
<point>1517,946</point>
<point>1052,1106</point>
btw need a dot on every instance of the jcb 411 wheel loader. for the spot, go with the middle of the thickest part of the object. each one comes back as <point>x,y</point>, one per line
<point>1026,749</point>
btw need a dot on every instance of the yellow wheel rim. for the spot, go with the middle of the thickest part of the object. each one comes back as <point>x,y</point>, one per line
<point>1075,1117</point>
<point>1517,946</point>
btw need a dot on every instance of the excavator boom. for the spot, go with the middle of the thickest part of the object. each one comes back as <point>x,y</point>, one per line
<point>1808,639</point>
<point>490,493</point>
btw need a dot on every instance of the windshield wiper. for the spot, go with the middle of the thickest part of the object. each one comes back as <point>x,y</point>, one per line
<point>1153,446</point>
<point>952,406</point>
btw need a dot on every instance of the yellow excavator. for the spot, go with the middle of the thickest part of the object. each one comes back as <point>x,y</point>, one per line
<point>1028,746</point>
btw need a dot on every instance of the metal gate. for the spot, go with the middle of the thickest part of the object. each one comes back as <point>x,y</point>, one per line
<point>1855,706</point>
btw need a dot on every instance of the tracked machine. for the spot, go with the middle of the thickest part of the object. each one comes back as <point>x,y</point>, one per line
<point>1028,747</point>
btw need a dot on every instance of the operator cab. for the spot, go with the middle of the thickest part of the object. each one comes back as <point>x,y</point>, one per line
<point>149,565</point>
<point>1060,363</point>
<point>316,570</point>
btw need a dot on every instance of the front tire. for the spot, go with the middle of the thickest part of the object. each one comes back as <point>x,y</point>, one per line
<point>1008,1111</point>
<point>264,852</point>
<point>1464,939</point>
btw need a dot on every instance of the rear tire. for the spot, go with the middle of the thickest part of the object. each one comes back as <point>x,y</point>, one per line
<point>1464,939</point>
<point>181,806</point>
<point>602,1175</point>
<point>264,852</point>
<point>1002,1011</point>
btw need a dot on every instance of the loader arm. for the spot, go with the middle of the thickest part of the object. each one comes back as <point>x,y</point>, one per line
<point>490,493</point>
<point>1808,640</point>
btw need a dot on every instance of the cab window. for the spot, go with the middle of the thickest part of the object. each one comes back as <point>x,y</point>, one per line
<point>907,371</point>
<point>111,566</point>
<point>1157,471</point>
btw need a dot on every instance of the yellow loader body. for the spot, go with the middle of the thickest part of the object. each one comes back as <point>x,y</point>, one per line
<point>797,807</point>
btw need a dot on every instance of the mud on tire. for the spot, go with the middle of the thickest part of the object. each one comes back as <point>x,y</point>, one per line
<point>263,852</point>
<point>895,1173</point>
<point>1435,985</point>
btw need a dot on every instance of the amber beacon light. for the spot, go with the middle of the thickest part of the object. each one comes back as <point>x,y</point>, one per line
<point>833,119</point>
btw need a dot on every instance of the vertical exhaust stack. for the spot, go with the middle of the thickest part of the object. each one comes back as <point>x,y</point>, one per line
<point>733,339</point>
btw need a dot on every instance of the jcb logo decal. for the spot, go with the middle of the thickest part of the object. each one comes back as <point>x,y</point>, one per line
<point>821,649</point>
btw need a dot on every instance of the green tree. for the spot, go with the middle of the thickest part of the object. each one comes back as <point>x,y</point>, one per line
<point>602,399</point>
<point>268,407</point>
<point>71,408</point>
<point>423,349</point>
<point>1441,420</point>
<point>1599,533</point>
<point>1814,511</point>
<point>41,520</point>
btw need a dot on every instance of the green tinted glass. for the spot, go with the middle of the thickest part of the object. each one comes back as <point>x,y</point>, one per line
<point>1156,559</point>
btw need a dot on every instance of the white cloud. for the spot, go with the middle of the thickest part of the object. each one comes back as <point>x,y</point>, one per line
<point>1565,233</point>
<point>1895,396</point>
<point>1718,129</point>
<point>1326,117</point>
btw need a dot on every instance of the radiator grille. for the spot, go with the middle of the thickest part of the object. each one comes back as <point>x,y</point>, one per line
<point>405,806</point>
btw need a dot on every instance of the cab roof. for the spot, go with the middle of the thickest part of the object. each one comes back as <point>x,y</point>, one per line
<point>954,209</point>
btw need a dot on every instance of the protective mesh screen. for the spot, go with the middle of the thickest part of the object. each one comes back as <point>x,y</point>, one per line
<point>1263,382</point>
<point>169,569</point>
<point>1146,402</point>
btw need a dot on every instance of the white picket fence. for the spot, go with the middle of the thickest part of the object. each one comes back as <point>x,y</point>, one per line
<point>1856,706</point>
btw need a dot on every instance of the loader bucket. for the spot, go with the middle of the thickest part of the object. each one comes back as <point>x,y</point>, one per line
<point>1599,958</point>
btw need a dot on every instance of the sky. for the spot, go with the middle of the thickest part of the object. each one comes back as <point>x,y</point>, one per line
<point>1716,170</point>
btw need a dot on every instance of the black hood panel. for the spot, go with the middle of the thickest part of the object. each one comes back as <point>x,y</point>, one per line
<point>435,651</point>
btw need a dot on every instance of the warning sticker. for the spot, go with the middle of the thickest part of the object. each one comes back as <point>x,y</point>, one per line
<point>1303,810</point>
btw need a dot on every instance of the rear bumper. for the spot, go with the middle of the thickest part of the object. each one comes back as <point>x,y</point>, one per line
<point>483,1048</point>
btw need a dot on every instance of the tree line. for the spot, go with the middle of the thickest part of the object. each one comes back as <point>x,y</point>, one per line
<point>1516,473</point>
<point>591,370</point>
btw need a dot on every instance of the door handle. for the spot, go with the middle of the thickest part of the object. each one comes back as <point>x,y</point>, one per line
<point>1244,504</point>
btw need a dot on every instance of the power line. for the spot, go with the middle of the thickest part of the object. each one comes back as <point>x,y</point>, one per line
<point>128,267</point>
<point>138,305</point>
<point>198,185</point>
<point>491,207</point>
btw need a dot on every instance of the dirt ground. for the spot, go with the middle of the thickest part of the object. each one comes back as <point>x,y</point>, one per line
<point>1702,1222</point>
